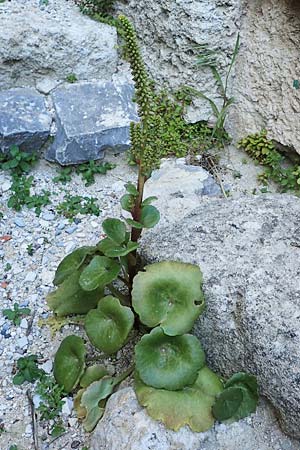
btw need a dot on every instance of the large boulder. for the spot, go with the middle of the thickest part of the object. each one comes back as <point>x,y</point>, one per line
<point>249,252</point>
<point>91,117</point>
<point>127,426</point>
<point>51,42</point>
<point>24,119</point>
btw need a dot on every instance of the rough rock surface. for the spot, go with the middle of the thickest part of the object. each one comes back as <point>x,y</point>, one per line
<point>180,188</point>
<point>127,426</point>
<point>24,119</point>
<point>266,67</point>
<point>249,252</point>
<point>52,41</point>
<point>91,117</point>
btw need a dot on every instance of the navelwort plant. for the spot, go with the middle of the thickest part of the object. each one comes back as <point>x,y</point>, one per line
<point>172,380</point>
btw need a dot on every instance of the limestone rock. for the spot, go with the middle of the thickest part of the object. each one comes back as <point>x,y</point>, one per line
<point>24,119</point>
<point>91,117</point>
<point>249,252</point>
<point>179,188</point>
<point>53,42</point>
<point>127,426</point>
<point>268,62</point>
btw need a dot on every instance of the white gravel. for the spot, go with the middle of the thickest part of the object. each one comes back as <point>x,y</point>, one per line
<point>30,279</point>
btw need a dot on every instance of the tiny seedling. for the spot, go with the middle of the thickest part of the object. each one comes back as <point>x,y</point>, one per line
<point>27,370</point>
<point>18,162</point>
<point>7,267</point>
<point>64,175</point>
<point>30,249</point>
<point>16,314</point>
<point>75,204</point>
<point>90,169</point>
<point>13,447</point>
<point>71,78</point>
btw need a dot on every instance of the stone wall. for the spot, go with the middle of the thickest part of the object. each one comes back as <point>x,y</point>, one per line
<point>265,70</point>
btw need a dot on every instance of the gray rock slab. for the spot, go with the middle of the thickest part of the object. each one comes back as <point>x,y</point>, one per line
<point>127,426</point>
<point>180,188</point>
<point>90,118</point>
<point>249,253</point>
<point>24,119</point>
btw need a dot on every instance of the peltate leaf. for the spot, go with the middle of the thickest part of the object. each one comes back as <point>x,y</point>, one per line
<point>190,406</point>
<point>149,200</point>
<point>131,189</point>
<point>134,224</point>
<point>168,362</point>
<point>112,250</point>
<point>175,290</point>
<point>92,373</point>
<point>238,400</point>
<point>70,298</point>
<point>93,400</point>
<point>149,216</point>
<point>127,202</point>
<point>108,326</point>
<point>115,229</point>
<point>100,272</point>
<point>69,362</point>
<point>71,263</point>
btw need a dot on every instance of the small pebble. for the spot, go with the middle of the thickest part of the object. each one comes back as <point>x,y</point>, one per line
<point>71,229</point>
<point>30,277</point>
<point>22,342</point>
<point>48,216</point>
<point>19,222</point>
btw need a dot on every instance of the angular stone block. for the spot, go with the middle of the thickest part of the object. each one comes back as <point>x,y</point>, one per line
<point>91,117</point>
<point>24,119</point>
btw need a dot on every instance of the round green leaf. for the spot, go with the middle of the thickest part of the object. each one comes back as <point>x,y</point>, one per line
<point>127,202</point>
<point>92,373</point>
<point>134,224</point>
<point>115,229</point>
<point>168,362</point>
<point>100,272</point>
<point>71,263</point>
<point>189,406</point>
<point>246,379</point>
<point>108,326</point>
<point>149,216</point>
<point>175,290</point>
<point>228,403</point>
<point>149,200</point>
<point>70,298</point>
<point>69,362</point>
<point>112,250</point>
<point>131,189</point>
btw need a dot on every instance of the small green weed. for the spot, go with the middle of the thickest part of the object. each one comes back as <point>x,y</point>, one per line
<point>7,267</point>
<point>13,447</point>
<point>71,78</point>
<point>16,314</point>
<point>51,395</point>
<point>263,150</point>
<point>75,204</point>
<point>64,175</point>
<point>27,370</point>
<point>30,249</point>
<point>100,10</point>
<point>21,195</point>
<point>90,169</point>
<point>17,162</point>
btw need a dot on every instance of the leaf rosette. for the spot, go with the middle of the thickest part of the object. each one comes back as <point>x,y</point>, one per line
<point>169,294</point>
<point>168,362</point>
